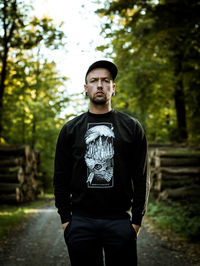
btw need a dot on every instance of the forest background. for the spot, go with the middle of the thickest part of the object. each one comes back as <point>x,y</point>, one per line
<point>156,46</point>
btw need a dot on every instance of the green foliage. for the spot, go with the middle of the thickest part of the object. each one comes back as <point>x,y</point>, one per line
<point>32,93</point>
<point>33,99</point>
<point>20,33</point>
<point>182,219</point>
<point>12,216</point>
<point>156,46</point>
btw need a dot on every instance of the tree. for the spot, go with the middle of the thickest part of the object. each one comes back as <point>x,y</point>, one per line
<point>31,89</point>
<point>19,32</point>
<point>165,34</point>
<point>34,98</point>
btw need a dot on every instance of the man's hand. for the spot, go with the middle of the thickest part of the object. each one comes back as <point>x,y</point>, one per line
<point>65,225</point>
<point>136,228</point>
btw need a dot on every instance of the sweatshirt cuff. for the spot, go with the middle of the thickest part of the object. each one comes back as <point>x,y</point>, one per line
<point>137,220</point>
<point>65,218</point>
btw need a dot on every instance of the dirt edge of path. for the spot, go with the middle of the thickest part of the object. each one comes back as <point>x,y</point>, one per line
<point>175,242</point>
<point>17,227</point>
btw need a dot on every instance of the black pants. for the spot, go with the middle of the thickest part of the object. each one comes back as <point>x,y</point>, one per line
<point>86,238</point>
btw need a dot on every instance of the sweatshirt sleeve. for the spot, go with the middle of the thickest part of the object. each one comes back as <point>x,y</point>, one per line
<point>62,175</point>
<point>141,177</point>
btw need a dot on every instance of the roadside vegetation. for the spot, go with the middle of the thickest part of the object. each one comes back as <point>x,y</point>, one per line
<point>12,216</point>
<point>182,219</point>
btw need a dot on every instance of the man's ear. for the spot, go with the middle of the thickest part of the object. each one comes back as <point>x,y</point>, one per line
<point>113,89</point>
<point>85,88</point>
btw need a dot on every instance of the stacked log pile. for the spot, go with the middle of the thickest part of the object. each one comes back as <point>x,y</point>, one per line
<point>19,174</point>
<point>175,173</point>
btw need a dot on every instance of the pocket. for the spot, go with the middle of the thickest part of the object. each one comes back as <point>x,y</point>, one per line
<point>132,229</point>
<point>67,229</point>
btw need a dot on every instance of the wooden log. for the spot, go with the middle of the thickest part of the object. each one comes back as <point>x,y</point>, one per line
<point>19,171</point>
<point>176,161</point>
<point>15,151</point>
<point>180,171</point>
<point>177,153</point>
<point>30,188</point>
<point>165,144</point>
<point>5,170</point>
<point>157,182</point>
<point>163,184</point>
<point>12,162</point>
<point>29,196</point>
<point>8,188</point>
<point>184,193</point>
<point>10,198</point>
<point>175,177</point>
<point>151,155</point>
<point>12,175</point>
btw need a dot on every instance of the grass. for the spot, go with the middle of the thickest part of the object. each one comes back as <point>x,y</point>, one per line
<point>12,216</point>
<point>182,219</point>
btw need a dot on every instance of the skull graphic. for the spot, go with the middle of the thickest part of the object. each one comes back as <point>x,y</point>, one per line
<point>99,153</point>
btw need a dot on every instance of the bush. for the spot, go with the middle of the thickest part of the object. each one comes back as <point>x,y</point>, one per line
<point>184,220</point>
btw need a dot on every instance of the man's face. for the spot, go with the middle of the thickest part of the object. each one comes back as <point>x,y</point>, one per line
<point>100,86</point>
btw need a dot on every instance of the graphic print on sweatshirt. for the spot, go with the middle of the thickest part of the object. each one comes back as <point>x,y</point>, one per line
<point>99,156</point>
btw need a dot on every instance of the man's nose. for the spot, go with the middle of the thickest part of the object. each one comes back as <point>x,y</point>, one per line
<point>99,84</point>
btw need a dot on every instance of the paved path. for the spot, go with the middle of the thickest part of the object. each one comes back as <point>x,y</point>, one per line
<point>40,243</point>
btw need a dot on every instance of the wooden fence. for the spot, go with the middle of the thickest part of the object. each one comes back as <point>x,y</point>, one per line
<point>19,174</point>
<point>175,172</point>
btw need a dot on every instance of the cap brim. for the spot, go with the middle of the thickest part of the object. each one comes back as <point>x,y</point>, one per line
<point>103,64</point>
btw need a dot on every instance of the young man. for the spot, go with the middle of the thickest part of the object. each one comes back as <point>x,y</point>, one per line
<point>101,178</point>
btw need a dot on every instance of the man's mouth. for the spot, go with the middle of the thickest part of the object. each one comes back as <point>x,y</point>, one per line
<point>99,93</point>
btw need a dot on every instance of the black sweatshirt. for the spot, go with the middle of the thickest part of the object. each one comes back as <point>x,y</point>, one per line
<point>101,167</point>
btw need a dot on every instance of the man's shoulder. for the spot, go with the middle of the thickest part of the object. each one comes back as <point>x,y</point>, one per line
<point>130,121</point>
<point>126,117</point>
<point>75,121</point>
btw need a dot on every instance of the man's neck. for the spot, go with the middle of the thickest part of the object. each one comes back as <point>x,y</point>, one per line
<point>100,109</point>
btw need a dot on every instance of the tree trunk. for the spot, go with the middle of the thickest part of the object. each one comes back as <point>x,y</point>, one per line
<point>37,86</point>
<point>7,35</point>
<point>179,98</point>
<point>2,85</point>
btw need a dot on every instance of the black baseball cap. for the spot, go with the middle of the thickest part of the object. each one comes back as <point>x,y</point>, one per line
<point>103,64</point>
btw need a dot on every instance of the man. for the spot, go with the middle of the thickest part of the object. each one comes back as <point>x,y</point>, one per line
<point>101,176</point>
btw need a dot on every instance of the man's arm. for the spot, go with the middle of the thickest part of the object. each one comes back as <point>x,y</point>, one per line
<point>62,176</point>
<point>141,179</point>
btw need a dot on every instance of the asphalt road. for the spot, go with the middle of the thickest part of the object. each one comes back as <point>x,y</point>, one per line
<point>40,242</point>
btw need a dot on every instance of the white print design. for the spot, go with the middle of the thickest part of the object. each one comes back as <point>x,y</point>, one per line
<point>99,155</point>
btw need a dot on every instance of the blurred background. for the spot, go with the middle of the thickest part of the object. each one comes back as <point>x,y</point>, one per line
<point>46,48</point>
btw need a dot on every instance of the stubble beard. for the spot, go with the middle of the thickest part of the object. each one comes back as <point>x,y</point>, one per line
<point>99,101</point>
